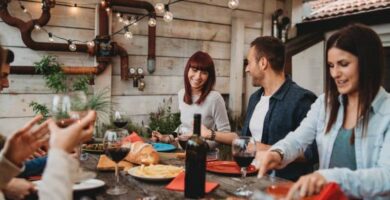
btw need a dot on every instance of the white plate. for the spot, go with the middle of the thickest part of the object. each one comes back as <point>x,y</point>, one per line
<point>85,185</point>
<point>132,172</point>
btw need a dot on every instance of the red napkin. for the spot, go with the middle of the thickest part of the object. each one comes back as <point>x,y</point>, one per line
<point>133,137</point>
<point>178,184</point>
<point>331,191</point>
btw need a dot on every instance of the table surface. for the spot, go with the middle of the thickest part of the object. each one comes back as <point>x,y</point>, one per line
<point>139,189</point>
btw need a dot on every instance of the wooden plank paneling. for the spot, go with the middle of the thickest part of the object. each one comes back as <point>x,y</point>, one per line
<point>182,29</point>
<point>174,47</point>
<point>142,105</point>
<point>169,66</point>
<point>27,57</point>
<point>18,105</point>
<point>26,84</point>
<point>9,125</point>
<point>41,36</point>
<point>251,34</point>
<point>213,14</point>
<point>163,85</point>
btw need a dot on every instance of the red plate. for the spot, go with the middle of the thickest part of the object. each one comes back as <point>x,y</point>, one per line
<point>227,167</point>
<point>280,190</point>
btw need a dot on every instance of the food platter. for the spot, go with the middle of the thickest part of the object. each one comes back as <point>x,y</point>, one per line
<point>155,172</point>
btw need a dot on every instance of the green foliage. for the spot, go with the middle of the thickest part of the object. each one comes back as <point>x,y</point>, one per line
<point>81,84</point>
<point>164,120</point>
<point>101,103</point>
<point>40,109</point>
<point>56,79</point>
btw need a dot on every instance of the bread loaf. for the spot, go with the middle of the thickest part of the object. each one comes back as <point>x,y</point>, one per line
<point>142,153</point>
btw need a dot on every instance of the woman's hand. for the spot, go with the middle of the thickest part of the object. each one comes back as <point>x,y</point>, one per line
<point>18,188</point>
<point>269,160</point>
<point>68,138</point>
<point>24,142</point>
<point>158,137</point>
<point>205,132</point>
<point>307,186</point>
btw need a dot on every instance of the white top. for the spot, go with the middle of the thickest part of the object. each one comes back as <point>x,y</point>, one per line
<point>212,109</point>
<point>256,123</point>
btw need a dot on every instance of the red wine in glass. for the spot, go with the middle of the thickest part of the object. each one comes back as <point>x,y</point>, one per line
<point>116,154</point>
<point>120,123</point>
<point>243,159</point>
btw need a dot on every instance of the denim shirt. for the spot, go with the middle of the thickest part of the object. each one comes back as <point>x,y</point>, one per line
<point>371,180</point>
<point>287,108</point>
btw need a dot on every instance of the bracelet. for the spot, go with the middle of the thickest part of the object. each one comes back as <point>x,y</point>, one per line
<point>212,137</point>
<point>279,152</point>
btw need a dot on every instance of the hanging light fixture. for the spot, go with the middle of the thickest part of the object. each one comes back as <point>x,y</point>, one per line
<point>51,39</point>
<point>91,44</point>
<point>168,16</point>
<point>37,27</point>
<point>127,21</point>
<point>160,8</point>
<point>233,4</point>
<point>134,20</point>
<point>72,46</point>
<point>128,34</point>
<point>152,22</point>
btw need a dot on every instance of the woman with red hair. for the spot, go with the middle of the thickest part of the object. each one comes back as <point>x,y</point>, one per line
<point>198,96</point>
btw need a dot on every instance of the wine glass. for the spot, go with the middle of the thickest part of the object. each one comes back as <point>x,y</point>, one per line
<point>182,137</point>
<point>60,110</point>
<point>116,151</point>
<point>244,151</point>
<point>78,110</point>
<point>120,119</point>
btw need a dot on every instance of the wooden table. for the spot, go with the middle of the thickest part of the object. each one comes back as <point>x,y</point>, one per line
<point>139,189</point>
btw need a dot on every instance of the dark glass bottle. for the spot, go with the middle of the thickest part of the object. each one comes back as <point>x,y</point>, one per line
<point>196,151</point>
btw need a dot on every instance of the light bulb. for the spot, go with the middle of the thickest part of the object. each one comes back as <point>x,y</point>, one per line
<point>126,22</point>
<point>37,27</point>
<point>51,39</point>
<point>152,22</point>
<point>108,9</point>
<point>103,2</point>
<point>159,7</point>
<point>91,44</point>
<point>120,19</point>
<point>128,35</point>
<point>72,46</point>
<point>118,15</point>
<point>233,4</point>
<point>133,21</point>
<point>168,16</point>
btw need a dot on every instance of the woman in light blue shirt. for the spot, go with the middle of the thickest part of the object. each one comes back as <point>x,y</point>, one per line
<point>350,122</point>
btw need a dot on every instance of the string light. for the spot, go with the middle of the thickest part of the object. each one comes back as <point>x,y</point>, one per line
<point>24,9</point>
<point>91,44</point>
<point>50,37</point>
<point>129,21</point>
<point>160,8</point>
<point>233,4</point>
<point>128,34</point>
<point>152,22</point>
<point>72,46</point>
<point>37,27</point>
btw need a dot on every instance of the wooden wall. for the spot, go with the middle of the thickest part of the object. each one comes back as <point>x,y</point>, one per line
<point>198,25</point>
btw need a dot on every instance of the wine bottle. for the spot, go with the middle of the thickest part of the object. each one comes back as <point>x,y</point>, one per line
<point>196,151</point>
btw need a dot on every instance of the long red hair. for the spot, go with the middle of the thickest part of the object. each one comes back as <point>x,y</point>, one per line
<point>201,61</point>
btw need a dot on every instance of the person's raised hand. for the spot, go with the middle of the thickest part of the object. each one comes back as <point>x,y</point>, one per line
<point>24,142</point>
<point>68,138</point>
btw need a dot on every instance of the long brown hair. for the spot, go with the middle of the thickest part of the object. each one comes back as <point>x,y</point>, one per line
<point>201,61</point>
<point>365,44</point>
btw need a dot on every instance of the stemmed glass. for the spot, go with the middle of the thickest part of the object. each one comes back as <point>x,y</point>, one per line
<point>182,137</point>
<point>120,119</point>
<point>244,151</point>
<point>116,151</point>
